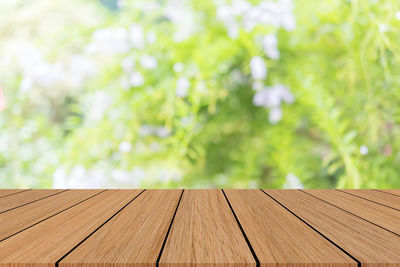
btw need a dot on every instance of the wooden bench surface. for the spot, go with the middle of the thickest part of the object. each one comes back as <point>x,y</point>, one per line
<point>72,228</point>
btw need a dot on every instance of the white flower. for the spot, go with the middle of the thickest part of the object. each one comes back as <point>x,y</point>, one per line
<point>258,69</point>
<point>60,178</point>
<point>240,7</point>
<point>120,176</point>
<point>148,62</point>
<point>151,37</point>
<point>138,173</point>
<point>109,40</point>
<point>261,98</point>
<point>136,36</point>
<point>243,14</point>
<point>252,18</point>
<point>288,22</point>
<point>145,130</point>
<point>284,93</point>
<point>128,64</point>
<point>182,87</point>
<point>132,178</point>
<point>270,48</point>
<point>292,182</point>
<point>77,178</point>
<point>26,84</point>
<point>98,103</point>
<point>397,15</point>
<point>125,147</point>
<point>178,67</point>
<point>275,115</point>
<point>160,131</point>
<point>363,150</point>
<point>96,179</point>
<point>184,19</point>
<point>80,68</point>
<point>136,79</point>
<point>272,98</point>
<point>383,27</point>
<point>267,98</point>
<point>163,132</point>
<point>233,29</point>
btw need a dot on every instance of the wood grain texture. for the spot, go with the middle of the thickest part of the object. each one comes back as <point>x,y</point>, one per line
<point>395,192</point>
<point>7,192</point>
<point>375,213</point>
<point>205,233</point>
<point>24,198</point>
<point>369,244</point>
<point>47,242</point>
<point>376,196</point>
<point>132,238</point>
<point>278,237</point>
<point>16,220</point>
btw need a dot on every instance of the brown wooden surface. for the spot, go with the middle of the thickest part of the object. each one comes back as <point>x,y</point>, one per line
<point>47,242</point>
<point>7,192</point>
<point>376,196</point>
<point>369,244</point>
<point>133,237</point>
<point>383,216</point>
<point>395,192</point>
<point>205,230</point>
<point>277,236</point>
<point>121,228</point>
<point>23,198</point>
<point>21,218</point>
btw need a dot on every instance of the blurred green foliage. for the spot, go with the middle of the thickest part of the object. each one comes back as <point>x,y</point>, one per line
<point>200,94</point>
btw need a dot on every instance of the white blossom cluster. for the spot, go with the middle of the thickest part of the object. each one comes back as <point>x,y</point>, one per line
<point>278,14</point>
<point>183,18</point>
<point>119,40</point>
<point>270,46</point>
<point>96,105</point>
<point>135,76</point>
<point>160,131</point>
<point>40,75</point>
<point>242,14</point>
<point>100,177</point>
<point>80,177</point>
<point>182,87</point>
<point>292,182</point>
<point>272,98</point>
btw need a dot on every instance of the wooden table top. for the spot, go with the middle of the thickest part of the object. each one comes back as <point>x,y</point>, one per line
<point>107,228</point>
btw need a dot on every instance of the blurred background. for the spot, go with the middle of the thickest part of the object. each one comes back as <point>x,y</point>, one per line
<point>199,94</point>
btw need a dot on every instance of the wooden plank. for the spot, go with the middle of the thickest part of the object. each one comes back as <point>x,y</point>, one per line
<point>27,197</point>
<point>8,192</point>
<point>131,238</point>
<point>205,233</point>
<point>47,242</point>
<point>376,196</point>
<point>370,211</point>
<point>369,244</point>
<point>395,192</point>
<point>278,237</point>
<point>21,218</point>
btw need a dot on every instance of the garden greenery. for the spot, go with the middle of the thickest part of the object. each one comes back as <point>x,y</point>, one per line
<point>200,94</point>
